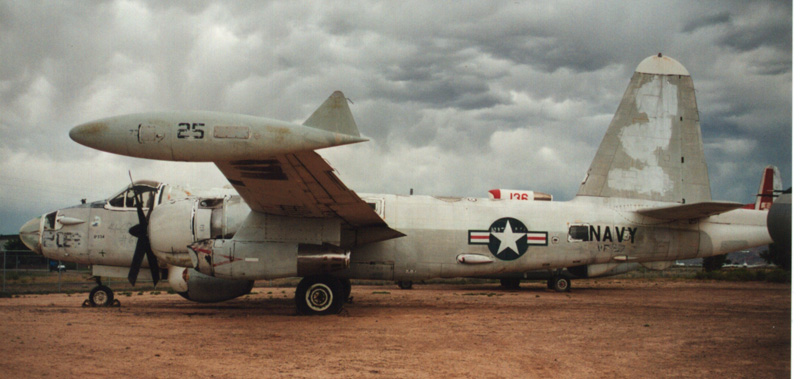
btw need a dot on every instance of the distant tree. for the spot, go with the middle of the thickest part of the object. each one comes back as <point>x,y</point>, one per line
<point>15,244</point>
<point>715,263</point>
<point>777,256</point>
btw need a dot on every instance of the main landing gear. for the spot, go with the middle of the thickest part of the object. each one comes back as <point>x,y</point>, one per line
<point>101,296</point>
<point>559,283</point>
<point>321,295</point>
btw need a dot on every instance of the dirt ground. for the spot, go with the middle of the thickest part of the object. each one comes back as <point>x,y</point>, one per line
<point>603,328</point>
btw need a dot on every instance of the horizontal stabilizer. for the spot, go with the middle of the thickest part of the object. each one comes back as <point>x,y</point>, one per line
<point>334,116</point>
<point>690,211</point>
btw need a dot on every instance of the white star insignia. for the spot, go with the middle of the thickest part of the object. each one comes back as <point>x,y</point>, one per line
<point>508,239</point>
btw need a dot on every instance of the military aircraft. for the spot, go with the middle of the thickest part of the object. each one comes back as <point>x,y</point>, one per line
<point>645,199</point>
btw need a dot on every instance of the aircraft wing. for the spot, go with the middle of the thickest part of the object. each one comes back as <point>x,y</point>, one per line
<point>690,211</point>
<point>271,163</point>
<point>303,184</point>
<point>300,184</point>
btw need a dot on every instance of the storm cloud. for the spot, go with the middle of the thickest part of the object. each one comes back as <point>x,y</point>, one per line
<point>456,97</point>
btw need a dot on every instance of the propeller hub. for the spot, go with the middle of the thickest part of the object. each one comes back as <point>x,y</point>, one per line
<point>138,231</point>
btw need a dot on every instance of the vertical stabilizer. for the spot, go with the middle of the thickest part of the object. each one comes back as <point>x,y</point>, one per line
<point>653,149</point>
<point>770,184</point>
<point>334,116</point>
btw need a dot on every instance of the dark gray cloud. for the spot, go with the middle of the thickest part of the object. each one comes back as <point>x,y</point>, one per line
<point>457,98</point>
<point>706,21</point>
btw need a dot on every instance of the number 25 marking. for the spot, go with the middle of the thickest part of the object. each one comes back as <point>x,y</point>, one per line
<point>194,131</point>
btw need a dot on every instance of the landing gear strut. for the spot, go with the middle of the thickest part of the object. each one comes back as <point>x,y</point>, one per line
<point>319,295</point>
<point>346,289</point>
<point>101,296</point>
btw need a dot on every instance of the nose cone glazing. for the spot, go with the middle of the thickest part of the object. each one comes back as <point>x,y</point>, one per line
<point>29,234</point>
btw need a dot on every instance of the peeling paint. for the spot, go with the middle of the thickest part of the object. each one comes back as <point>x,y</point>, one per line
<point>646,137</point>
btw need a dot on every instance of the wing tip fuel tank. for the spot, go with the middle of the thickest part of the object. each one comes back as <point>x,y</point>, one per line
<point>210,136</point>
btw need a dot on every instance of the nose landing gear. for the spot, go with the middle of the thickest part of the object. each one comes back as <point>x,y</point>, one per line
<point>101,296</point>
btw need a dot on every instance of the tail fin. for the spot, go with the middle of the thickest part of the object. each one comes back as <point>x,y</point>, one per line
<point>770,183</point>
<point>334,116</point>
<point>653,149</point>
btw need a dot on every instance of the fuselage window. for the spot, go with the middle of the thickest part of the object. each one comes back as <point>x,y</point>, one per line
<point>578,233</point>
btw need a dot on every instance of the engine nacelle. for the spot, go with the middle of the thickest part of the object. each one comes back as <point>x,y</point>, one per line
<point>176,224</point>
<point>265,260</point>
<point>195,286</point>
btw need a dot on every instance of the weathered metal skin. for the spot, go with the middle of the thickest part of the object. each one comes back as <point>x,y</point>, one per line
<point>433,251</point>
<point>195,286</point>
<point>208,218</point>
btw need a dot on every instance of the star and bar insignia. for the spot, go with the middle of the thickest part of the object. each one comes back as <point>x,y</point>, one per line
<point>507,238</point>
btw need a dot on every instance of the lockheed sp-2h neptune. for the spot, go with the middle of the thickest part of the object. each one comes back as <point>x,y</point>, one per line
<point>645,199</point>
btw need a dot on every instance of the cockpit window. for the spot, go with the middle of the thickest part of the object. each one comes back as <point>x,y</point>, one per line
<point>126,199</point>
<point>50,221</point>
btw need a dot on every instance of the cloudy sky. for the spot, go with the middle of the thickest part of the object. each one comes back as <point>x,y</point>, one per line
<point>456,97</point>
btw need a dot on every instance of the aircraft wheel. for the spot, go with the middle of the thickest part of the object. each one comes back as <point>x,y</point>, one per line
<point>319,295</point>
<point>405,284</point>
<point>101,296</point>
<point>562,284</point>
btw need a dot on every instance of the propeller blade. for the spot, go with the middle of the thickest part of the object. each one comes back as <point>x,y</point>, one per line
<point>137,197</point>
<point>142,238</point>
<point>153,262</point>
<point>136,263</point>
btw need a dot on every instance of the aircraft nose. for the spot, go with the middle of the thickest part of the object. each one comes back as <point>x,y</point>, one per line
<point>29,234</point>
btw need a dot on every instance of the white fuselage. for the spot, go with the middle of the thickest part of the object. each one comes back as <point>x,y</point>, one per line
<point>444,237</point>
<point>439,230</point>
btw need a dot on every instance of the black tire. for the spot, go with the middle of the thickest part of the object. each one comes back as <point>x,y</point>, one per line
<point>562,284</point>
<point>551,283</point>
<point>319,295</point>
<point>405,284</point>
<point>510,284</point>
<point>346,288</point>
<point>101,296</point>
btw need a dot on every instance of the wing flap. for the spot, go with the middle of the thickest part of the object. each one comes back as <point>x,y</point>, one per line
<point>690,211</point>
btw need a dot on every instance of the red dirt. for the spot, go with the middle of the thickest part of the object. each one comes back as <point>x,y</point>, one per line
<point>603,328</point>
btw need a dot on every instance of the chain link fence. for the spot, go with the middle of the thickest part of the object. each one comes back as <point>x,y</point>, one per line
<point>25,272</point>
